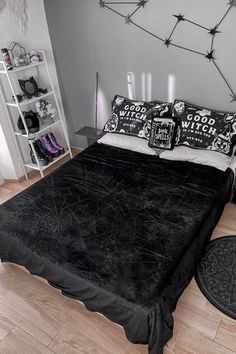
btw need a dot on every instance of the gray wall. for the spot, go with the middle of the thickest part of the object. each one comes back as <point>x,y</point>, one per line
<point>87,39</point>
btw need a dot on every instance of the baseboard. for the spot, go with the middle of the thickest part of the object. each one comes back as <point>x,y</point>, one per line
<point>75,150</point>
<point>14,180</point>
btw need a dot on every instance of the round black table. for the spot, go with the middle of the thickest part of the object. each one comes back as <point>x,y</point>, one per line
<point>216,274</point>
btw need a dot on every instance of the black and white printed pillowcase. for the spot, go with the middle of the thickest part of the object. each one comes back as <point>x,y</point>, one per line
<point>162,134</point>
<point>201,128</point>
<point>163,127</point>
<point>134,118</point>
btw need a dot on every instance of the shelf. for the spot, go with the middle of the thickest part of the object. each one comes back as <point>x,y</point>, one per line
<point>89,132</point>
<point>25,105</point>
<point>23,67</point>
<point>32,100</point>
<point>35,167</point>
<point>42,129</point>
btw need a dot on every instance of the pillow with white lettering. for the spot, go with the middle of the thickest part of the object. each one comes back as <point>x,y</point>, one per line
<point>201,128</point>
<point>162,135</point>
<point>134,117</point>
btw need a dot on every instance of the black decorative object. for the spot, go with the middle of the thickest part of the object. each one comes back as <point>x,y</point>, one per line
<point>201,128</point>
<point>233,97</point>
<point>169,41</point>
<point>162,134</point>
<point>20,98</point>
<point>232,3</point>
<point>210,55</point>
<point>32,122</point>
<point>179,17</point>
<point>127,17</point>
<point>142,3</point>
<point>232,94</point>
<point>216,276</point>
<point>30,88</point>
<point>213,31</point>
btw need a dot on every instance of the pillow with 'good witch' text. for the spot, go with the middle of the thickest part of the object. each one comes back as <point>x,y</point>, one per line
<point>202,128</point>
<point>132,117</point>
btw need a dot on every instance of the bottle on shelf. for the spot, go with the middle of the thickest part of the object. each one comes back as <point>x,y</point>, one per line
<point>6,58</point>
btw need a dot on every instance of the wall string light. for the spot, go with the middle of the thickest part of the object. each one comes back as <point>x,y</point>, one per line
<point>209,55</point>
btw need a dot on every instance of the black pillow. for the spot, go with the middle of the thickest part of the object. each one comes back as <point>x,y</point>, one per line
<point>162,134</point>
<point>132,117</point>
<point>161,109</point>
<point>202,128</point>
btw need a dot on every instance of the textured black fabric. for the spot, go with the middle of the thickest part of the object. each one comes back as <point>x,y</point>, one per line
<point>216,275</point>
<point>118,230</point>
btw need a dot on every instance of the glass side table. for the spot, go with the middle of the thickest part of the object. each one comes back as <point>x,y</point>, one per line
<point>92,134</point>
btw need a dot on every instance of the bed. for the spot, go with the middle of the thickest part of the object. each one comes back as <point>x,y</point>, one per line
<point>120,231</point>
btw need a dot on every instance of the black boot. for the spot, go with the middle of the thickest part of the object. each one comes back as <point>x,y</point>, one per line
<point>43,160</point>
<point>43,150</point>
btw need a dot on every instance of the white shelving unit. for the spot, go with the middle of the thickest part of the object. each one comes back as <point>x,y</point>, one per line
<point>20,105</point>
<point>27,102</point>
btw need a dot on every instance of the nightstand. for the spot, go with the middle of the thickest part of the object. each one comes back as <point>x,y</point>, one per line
<point>92,134</point>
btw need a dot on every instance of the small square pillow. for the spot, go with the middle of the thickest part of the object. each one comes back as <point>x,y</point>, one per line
<point>161,109</point>
<point>162,134</point>
<point>201,128</point>
<point>132,117</point>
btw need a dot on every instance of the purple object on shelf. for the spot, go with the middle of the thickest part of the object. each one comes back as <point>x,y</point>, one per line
<point>46,142</point>
<point>6,58</point>
<point>55,143</point>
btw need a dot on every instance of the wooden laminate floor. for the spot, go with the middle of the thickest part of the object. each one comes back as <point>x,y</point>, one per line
<point>35,318</point>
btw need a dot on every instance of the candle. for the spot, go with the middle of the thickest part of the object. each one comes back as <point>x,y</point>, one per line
<point>149,86</point>
<point>131,85</point>
<point>143,86</point>
<point>171,88</point>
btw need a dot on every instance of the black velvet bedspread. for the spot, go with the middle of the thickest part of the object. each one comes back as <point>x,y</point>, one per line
<point>120,231</point>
